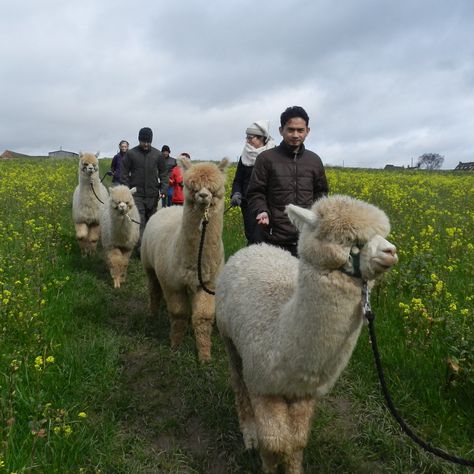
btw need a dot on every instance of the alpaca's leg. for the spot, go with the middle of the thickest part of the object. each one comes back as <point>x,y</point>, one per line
<point>242,399</point>
<point>294,462</point>
<point>270,461</point>
<point>93,237</point>
<point>82,232</point>
<point>273,428</point>
<point>300,413</point>
<point>126,259</point>
<point>154,290</point>
<point>178,310</point>
<point>115,262</point>
<point>203,312</point>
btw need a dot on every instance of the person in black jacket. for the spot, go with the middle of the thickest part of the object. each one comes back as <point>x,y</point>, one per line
<point>257,139</point>
<point>170,164</point>
<point>144,168</point>
<point>286,174</point>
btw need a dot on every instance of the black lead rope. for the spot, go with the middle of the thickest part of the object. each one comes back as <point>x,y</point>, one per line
<point>427,447</point>
<point>204,223</point>
<point>93,190</point>
<point>107,173</point>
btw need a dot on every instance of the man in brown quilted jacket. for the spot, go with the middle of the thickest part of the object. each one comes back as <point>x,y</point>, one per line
<point>286,174</point>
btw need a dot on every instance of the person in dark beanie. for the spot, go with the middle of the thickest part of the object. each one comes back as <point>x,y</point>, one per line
<point>170,164</point>
<point>286,174</point>
<point>144,168</point>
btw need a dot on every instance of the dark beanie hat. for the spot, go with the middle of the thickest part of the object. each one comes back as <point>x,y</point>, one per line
<point>165,148</point>
<point>145,135</point>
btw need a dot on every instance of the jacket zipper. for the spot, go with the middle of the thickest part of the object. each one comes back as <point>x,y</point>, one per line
<point>296,176</point>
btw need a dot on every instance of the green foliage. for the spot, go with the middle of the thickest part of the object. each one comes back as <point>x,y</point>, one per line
<point>89,384</point>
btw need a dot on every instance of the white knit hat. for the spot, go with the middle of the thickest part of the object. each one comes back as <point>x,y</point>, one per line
<point>260,128</point>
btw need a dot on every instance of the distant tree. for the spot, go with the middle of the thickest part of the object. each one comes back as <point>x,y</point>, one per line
<point>430,161</point>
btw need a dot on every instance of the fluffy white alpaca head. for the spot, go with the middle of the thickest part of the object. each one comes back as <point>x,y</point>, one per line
<point>88,164</point>
<point>204,183</point>
<point>121,199</point>
<point>339,231</point>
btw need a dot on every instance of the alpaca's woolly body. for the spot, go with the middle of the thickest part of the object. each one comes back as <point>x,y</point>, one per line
<point>278,356</point>
<point>86,208</point>
<point>169,253</point>
<point>290,325</point>
<point>87,203</point>
<point>120,228</point>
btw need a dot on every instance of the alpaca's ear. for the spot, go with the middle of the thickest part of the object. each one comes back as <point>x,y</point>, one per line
<point>97,154</point>
<point>184,162</point>
<point>300,216</point>
<point>133,190</point>
<point>81,154</point>
<point>223,164</point>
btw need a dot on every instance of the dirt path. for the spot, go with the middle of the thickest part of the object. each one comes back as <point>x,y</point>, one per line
<point>177,415</point>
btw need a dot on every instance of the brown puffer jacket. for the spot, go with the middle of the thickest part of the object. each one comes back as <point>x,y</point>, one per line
<point>282,177</point>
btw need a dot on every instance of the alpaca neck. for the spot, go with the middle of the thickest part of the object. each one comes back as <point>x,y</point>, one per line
<point>317,321</point>
<point>191,228</point>
<point>87,180</point>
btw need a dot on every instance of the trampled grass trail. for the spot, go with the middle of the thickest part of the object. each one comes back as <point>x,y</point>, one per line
<point>89,383</point>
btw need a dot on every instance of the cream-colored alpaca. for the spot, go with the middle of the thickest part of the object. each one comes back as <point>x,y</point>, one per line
<point>120,227</point>
<point>86,203</point>
<point>290,325</point>
<point>169,253</point>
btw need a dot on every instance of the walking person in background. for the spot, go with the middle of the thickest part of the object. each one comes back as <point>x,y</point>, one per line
<point>117,161</point>
<point>286,174</point>
<point>257,140</point>
<point>170,164</point>
<point>144,167</point>
<point>176,183</point>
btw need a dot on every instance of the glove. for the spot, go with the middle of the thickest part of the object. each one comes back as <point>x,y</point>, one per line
<point>236,199</point>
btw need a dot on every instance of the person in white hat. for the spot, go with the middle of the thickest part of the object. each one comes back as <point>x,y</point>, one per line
<point>257,139</point>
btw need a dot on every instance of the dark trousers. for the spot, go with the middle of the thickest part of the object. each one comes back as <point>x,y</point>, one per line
<point>252,230</point>
<point>146,207</point>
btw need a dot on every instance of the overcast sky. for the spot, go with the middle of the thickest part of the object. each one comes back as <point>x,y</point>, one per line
<point>382,81</point>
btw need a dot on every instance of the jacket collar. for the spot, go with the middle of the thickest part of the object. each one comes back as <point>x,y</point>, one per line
<point>289,151</point>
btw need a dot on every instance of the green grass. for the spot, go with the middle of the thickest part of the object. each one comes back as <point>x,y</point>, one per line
<point>150,409</point>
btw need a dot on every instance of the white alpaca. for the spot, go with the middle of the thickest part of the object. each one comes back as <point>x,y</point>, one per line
<point>169,253</point>
<point>120,228</point>
<point>290,325</point>
<point>86,203</point>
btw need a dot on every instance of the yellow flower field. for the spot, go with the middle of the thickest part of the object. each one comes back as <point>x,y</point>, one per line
<point>424,307</point>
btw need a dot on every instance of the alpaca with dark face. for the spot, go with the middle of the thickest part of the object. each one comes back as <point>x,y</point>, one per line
<point>290,325</point>
<point>87,202</point>
<point>120,228</point>
<point>169,253</point>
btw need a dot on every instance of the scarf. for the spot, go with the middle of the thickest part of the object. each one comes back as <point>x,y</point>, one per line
<point>249,153</point>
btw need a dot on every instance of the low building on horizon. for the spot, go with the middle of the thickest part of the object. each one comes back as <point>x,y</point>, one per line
<point>63,154</point>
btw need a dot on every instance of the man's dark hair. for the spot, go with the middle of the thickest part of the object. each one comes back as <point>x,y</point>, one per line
<point>294,112</point>
<point>165,148</point>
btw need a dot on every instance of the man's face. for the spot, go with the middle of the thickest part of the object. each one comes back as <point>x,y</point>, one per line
<point>165,154</point>
<point>294,132</point>
<point>124,147</point>
<point>145,145</point>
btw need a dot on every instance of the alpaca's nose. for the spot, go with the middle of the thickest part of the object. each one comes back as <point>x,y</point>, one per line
<point>392,250</point>
<point>203,194</point>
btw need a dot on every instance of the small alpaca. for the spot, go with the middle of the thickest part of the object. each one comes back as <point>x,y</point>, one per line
<point>86,203</point>
<point>120,226</point>
<point>290,325</point>
<point>169,253</point>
